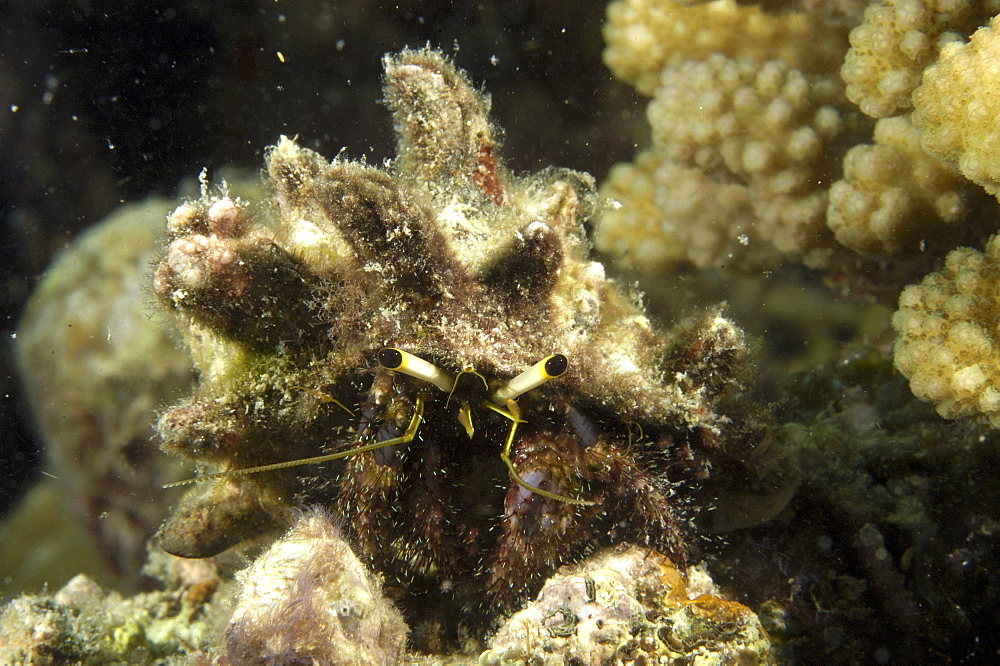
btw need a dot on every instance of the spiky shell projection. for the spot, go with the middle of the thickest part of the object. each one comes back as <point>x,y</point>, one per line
<point>488,403</point>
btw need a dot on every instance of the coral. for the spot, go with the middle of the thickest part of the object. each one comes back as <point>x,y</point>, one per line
<point>765,125</point>
<point>81,623</point>
<point>307,598</point>
<point>624,606</point>
<point>95,366</point>
<point>955,107</point>
<point>635,183</point>
<point>758,155</point>
<point>761,141</point>
<point>946,344</point>
<point>437,331</point>
<point>665,213</point>
<point>646,36</point>
<point>896,41</point>
<point>892,190</point>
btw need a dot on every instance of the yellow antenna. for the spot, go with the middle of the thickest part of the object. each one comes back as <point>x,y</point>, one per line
<point>411,432</point>
<point>398,360</point>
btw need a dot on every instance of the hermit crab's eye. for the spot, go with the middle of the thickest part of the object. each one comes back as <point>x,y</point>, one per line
<point>548,368</point>
<point>398,360</point>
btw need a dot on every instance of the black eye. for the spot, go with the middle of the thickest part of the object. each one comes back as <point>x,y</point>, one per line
<point>390,358</point>
<point>556,364</point>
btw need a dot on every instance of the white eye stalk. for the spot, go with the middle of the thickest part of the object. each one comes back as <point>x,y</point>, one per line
<point>398,360</point>
<point>548,368</point>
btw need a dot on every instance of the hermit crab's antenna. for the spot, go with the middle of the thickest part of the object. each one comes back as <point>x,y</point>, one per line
<point>548,368</point>
<point>411,432</point>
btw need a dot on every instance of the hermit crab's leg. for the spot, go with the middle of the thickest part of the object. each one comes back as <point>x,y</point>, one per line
<point>548,368</point>
<point>408,436</point>
<point>537,534</point>
<point>514,414</point>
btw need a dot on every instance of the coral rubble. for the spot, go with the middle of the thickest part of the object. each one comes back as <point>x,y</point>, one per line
<point>489,402</point>
<point>628,606</point>
<point>308,599</point>
<point>81,623</point>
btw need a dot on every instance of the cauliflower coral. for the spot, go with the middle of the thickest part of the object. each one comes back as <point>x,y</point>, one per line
<point>958,103</point>
<point>644,37</point>
<point>896,41</point>
<point>763,143</point>
<point>948,341</point>
<point>765,126</point>
<point>891,190</point>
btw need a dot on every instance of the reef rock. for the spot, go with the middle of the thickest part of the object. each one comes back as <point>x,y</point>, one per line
<point>625,606</point>
<point>96,364</point>
<point>309,599</point>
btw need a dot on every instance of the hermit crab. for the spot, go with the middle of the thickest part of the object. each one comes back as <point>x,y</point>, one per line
<point>429,349</point>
